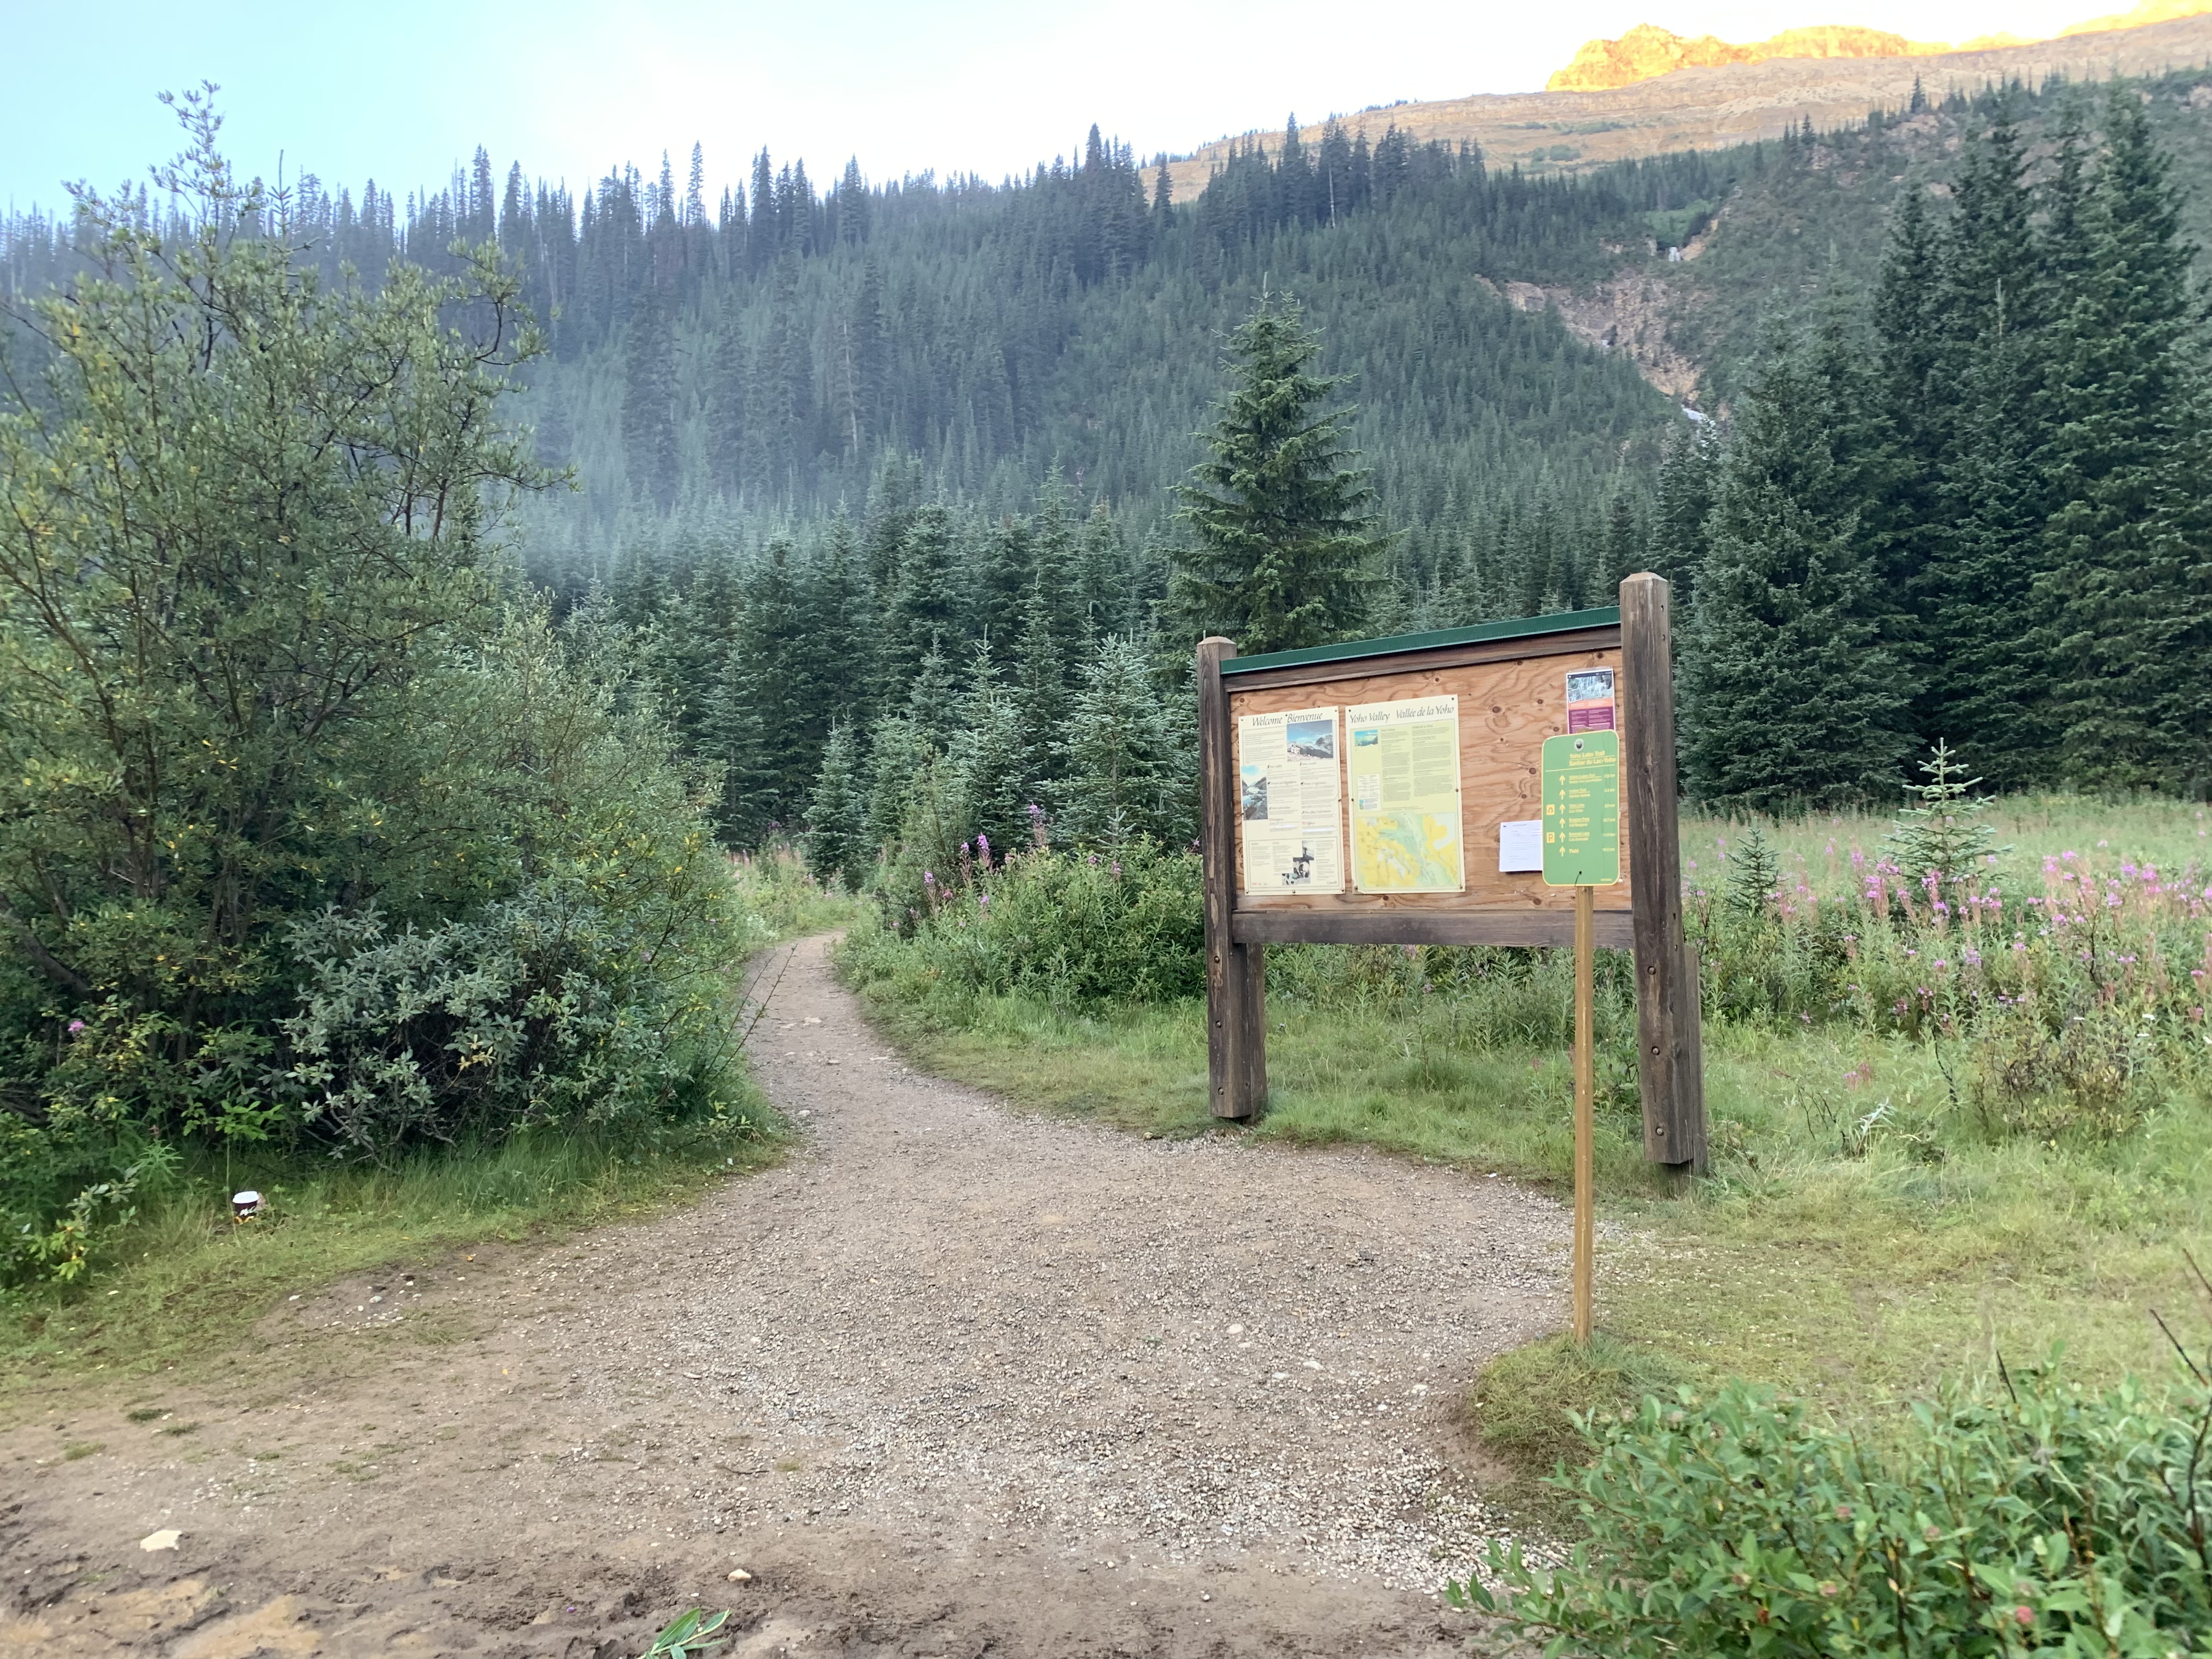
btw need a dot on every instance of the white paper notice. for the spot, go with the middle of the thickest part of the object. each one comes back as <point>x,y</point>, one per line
<point>1291,794</point>
<point>1521,846</point>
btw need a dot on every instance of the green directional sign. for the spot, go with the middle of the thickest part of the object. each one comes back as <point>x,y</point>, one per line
<point>1582,810</point>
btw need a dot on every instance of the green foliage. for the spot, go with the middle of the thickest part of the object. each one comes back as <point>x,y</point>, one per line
<point>1754,876</point>
<point>1127,772</point>
<point>1001,757</point>
<point>692,1632</point>
<point>1944,835</point>
<point>1285,547</point>
<point>308,837</point>
<point>544,1008</point>
<point>43,1239</point>
<point>243,514</point>
<point>2128,550</point>
<point>1075,929</point>
<point>836,839</point>
<point>1788,698</point>
<point>2038,1519</point>
<point>1980,483</point>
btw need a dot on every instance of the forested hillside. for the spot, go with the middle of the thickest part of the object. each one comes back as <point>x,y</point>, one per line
<point>764,355</point>
<point>1817,221</point>
<point>822,438</point>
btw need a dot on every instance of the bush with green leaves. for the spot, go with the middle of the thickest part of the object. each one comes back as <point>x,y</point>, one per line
<point>1069,928</point>
<point>64,1197</point>
<point>2036,1517</point>
<point>310,833</point>
<point>544,1008</point>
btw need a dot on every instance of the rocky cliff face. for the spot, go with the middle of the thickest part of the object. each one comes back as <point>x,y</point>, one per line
<point>1647,51</point>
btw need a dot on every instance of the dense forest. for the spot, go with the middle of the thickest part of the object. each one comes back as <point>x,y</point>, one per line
<point>870,457</point>
<point>1965,501</point>
<point>751,362</point>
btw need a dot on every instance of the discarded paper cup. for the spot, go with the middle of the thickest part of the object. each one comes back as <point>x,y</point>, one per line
<point>245,1205</point>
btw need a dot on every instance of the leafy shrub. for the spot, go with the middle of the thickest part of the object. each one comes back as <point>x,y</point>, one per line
<point>547,1008</point>
<point>1069,927</point>
<point>105,1174</point>
<point>2036,1518</point>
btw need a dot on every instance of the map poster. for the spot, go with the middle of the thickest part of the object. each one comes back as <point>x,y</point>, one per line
<point>1291,802</point>
<point>1403,761</point>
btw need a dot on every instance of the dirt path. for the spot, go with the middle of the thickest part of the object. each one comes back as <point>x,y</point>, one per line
<point>952,1382</point>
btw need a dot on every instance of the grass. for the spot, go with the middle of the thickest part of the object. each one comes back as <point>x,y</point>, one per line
<point>184,1283</point>
<point>1816,850</point>
<point>1526,1403</point>
<point>1856,1261</point>
<point>187,1283</point>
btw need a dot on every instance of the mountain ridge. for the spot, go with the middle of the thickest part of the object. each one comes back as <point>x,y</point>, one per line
<point>1648,52</point>
<point>1712,107</point>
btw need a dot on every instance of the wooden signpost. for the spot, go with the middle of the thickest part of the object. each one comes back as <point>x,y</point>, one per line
<point>1480,786</point>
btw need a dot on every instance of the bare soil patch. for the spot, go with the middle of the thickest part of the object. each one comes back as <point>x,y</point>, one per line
<point>954,1380</point>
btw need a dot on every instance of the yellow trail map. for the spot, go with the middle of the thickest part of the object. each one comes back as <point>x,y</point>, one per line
<point>1403,762</point>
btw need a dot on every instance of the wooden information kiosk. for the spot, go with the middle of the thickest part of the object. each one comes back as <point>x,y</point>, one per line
<point>1394,791</point>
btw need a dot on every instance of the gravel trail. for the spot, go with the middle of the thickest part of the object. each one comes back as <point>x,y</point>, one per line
<point>953,1379</point>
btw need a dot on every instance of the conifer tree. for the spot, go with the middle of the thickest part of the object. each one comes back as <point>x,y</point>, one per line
<point>1055,596</point>
<point>730,368</point>
<point>649,399</point>
<point>1688,472</point>
<point>1101,580</point>
<point>908,742</point>
<point>1283,540</point>
<point>1117,760</point>
<point>996,756</point>
<point>1625,542</point>
<point>770,731</point>
<point>837,615</point>
<point>999,575</point>
<point>924,613</point>
<point>2130,551</point>
<point>1789,698</point>
<point>837,842</point>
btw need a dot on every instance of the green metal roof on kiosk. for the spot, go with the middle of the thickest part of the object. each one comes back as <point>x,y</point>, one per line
<point>1517,628</point>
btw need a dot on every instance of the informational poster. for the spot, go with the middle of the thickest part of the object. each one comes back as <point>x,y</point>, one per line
<point>1582,810</point>
<point>1591,700</point>
<point>1403,762</point>
<point>1290,801</point>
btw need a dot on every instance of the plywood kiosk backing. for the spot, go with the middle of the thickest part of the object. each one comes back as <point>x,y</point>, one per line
<point>1511,680</point>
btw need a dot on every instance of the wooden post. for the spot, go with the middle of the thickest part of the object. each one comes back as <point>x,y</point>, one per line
<point>1670,1069</point>
<point>1236,975</point>
<point>1585,1109</point>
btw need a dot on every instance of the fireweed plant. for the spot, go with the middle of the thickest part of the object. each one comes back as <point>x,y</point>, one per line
<point>2057,992</point>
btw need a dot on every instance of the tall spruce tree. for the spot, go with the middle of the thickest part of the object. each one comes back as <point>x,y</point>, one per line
<point>1790,697</point>
<point>909,743</point>
<point>771,732</point>
<point>923,612</point>
<point>2130,551</point>
<point>997,757</point>
<point>1121,775</point>
<point>1689,469</point>
<point>648,409</point>
<point>836,841</point>
<point>1284,546</point>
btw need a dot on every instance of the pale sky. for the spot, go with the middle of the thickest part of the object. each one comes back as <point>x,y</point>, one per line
<point>402,90</point>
